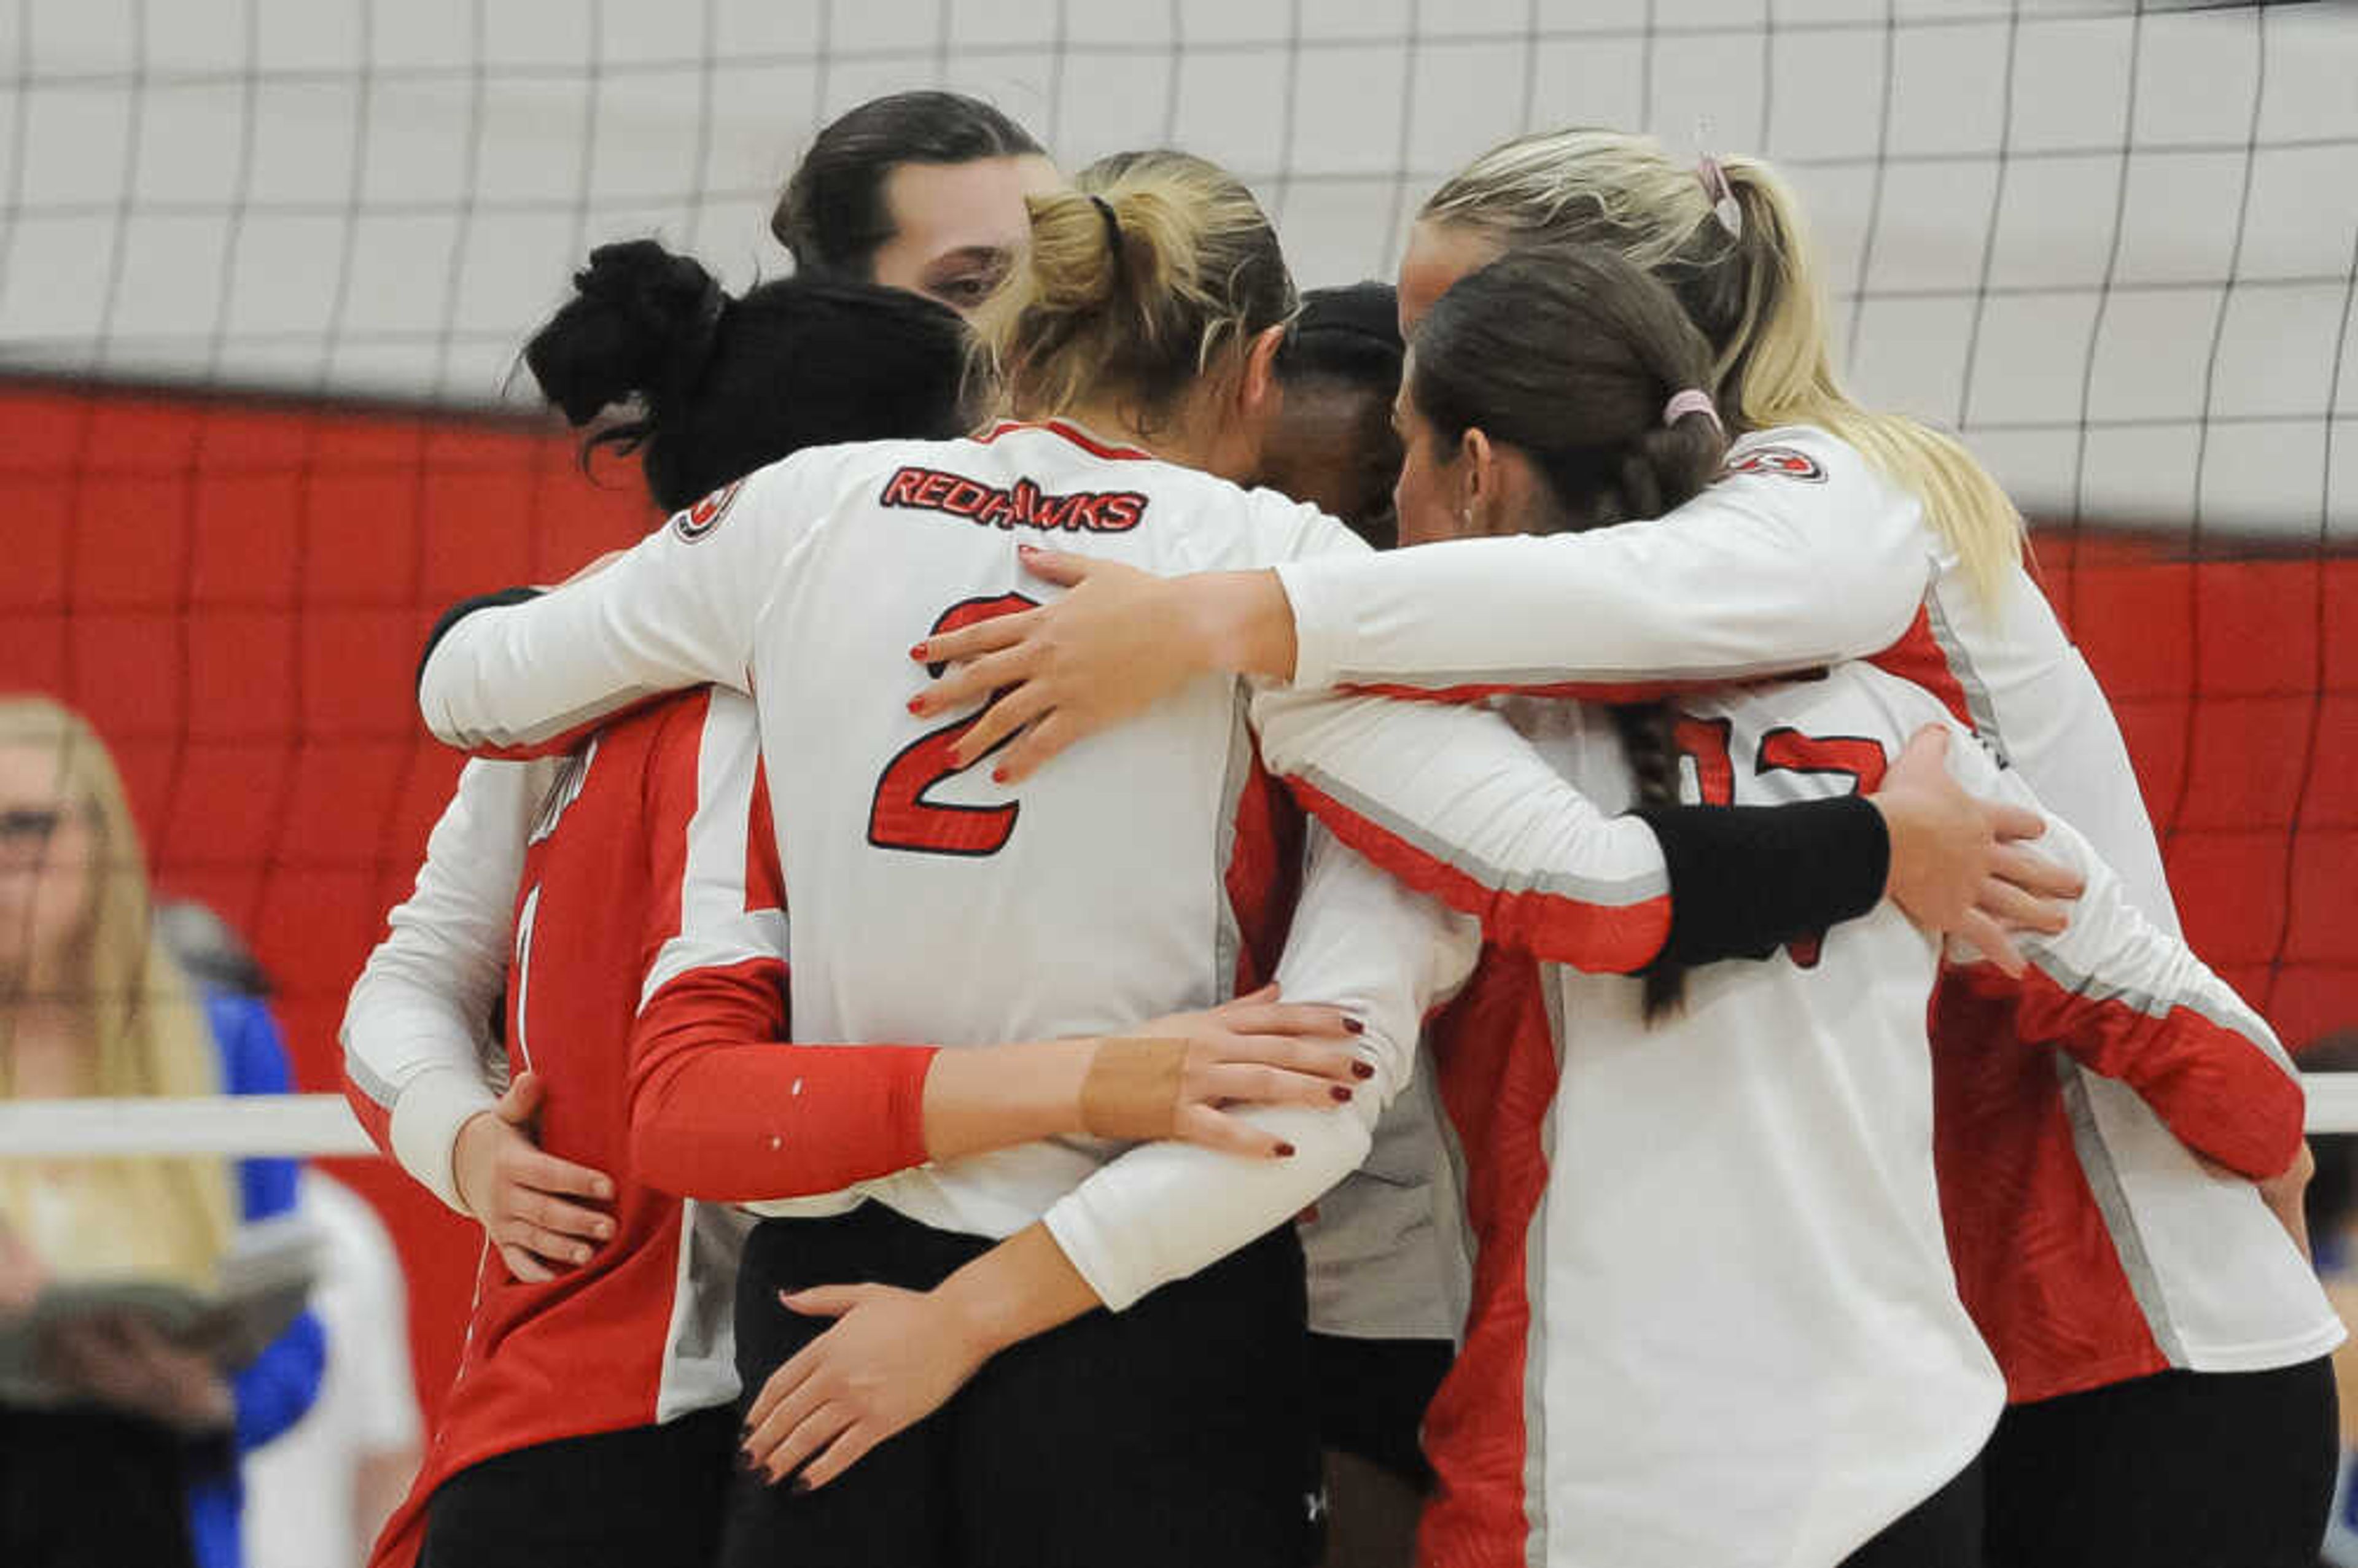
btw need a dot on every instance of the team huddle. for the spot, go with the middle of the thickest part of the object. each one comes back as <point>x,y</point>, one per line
<point>1009,991</point>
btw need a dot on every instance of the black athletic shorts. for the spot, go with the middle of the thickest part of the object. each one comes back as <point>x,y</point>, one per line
<point>1176,1434</point>
<point>647,1497</point>
<point>1372,1395</point>
<point>2177,1470</point>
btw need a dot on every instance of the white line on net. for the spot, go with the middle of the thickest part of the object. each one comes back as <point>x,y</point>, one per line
<point>224,1124</point>
<point>323,1124</point>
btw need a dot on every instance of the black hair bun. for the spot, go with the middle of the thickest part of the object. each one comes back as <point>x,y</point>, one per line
<point>642,323</point>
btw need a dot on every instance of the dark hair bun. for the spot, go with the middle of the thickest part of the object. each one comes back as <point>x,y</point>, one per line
<point>642,324</point>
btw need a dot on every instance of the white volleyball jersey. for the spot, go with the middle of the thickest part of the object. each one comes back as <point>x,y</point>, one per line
<point>937,906</point>
<point>1746,1345</point>
<point>2090,1244</point>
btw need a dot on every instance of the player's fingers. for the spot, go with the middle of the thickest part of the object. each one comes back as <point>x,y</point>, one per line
<point>2017,911</point>
<point>793,1392</point>
<point>564,1219</point>
<point>843,1453</point>
<point>1333,1064</point>
<point>1002,718</point>
<point>550,1174</point>
<point>973,641</point>
<point>1303,1019</point>
<point>1990,937</point>
<point>1037,745</point>
<point>1210,1128</point>
<point>561,1251</point>
<point>970,683</point>
<point>825,1301</point>
<point>815,1432</point>
<point>2035,873</point>
<point>1234,1081</point>
<point>522,1101</point>
<point>1054,566</point>
<point>532,1271</point>
<point>2011,822</point>
<point>1926,749</point>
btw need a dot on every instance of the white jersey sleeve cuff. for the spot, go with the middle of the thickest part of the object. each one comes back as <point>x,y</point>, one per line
<point>1322,617</point>
<point>426,1117</point>
<point>1204,1204</point>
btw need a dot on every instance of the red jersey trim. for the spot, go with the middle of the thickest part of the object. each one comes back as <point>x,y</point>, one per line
<point>1919,658</point>
<point>1496,1073</point>
<point>1070,432</point>
<point>1573,690</point>
<point>1597,938</point>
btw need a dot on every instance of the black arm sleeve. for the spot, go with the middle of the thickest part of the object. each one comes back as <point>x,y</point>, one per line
<point>1747,879</point>
<point>460,610</point>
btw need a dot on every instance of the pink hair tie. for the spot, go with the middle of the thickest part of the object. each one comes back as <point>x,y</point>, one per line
<point>1722,196</point>
<point>1692,401</point>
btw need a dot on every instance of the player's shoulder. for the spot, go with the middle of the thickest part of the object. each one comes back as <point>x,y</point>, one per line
<point>1253,526</point>
<point>1810,465</point>
<point>803,488</point>
<point>1797,454</point>
<point>846,467</point>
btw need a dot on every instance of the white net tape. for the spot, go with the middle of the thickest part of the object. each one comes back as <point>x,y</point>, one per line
<point>300,1125</point>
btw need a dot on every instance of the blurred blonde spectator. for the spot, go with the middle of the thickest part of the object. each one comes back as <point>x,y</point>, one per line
<point>317,1498</point>
<point>141,1465</point>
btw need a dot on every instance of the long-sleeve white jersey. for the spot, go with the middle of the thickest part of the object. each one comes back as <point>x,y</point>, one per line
<point>420,1059</point>
<point>1717,1320</point>
<point>1129,881</point>
<point>2092,1245</point>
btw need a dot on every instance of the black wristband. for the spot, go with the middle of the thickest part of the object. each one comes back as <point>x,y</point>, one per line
<point>460,610</point>
<point>1745,880</point>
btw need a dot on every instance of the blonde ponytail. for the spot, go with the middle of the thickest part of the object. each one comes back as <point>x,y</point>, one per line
<point>1754,293</point>
<point>1136,280</point>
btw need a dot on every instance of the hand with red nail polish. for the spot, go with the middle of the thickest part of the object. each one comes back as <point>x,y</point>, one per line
<point>890,1359</point>
<point>1256,1051</point>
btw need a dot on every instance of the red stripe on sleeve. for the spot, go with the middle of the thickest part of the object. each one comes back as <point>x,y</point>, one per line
<point>1594,938</point>
<point>2218,1091</point>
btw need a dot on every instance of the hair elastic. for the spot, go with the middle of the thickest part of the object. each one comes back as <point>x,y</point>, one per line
<point>1112,224</point>
<point>1722,196</point>
<point>1693,400</point>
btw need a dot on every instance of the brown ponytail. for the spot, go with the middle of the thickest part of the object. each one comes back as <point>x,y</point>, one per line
<point>1573,357</point>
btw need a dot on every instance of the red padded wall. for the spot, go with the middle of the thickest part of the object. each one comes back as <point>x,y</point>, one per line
<point>235,591</point>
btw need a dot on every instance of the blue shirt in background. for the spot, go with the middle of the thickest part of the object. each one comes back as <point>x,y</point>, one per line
<point>272,1393</point>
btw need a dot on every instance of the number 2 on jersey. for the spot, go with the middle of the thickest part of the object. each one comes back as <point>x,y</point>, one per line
<point>901,816</point>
